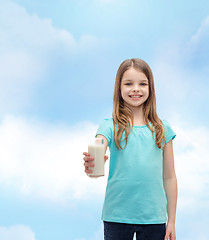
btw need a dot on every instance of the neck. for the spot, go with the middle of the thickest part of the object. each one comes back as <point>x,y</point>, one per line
<point>138,115</point>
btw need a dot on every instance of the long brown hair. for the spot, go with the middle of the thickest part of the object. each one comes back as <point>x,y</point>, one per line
<point>122,113</point>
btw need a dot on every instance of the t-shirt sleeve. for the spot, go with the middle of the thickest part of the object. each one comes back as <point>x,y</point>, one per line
<point>169,133</point>
<point>105,129</point>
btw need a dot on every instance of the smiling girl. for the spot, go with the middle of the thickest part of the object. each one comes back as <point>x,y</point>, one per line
<point>141,192</point>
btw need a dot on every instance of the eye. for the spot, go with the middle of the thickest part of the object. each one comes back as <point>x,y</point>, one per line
<point>143,84</point>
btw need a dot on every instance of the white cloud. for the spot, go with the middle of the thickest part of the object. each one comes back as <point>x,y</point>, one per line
<point>25,41</point>
<point>29,49</point>
<point>22,30</point>
<point>192,167</point>
<point>28,33</point>
<point>17,232</point>
<point>47,161</point>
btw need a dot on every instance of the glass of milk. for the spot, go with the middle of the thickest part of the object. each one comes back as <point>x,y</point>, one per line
<point>97,150</point>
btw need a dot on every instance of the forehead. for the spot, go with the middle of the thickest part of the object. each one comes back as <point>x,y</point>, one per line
<point>133,75</point>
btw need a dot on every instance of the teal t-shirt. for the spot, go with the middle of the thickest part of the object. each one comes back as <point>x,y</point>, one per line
<point>135,193</point>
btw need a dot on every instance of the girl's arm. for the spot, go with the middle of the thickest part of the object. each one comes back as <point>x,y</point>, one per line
<point>169,180</point>
<point>170,185</point>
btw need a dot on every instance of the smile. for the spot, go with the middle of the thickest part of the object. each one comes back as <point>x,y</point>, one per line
<point>135,96</point>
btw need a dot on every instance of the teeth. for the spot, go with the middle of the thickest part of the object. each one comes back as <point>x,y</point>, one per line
<point>135,96</point>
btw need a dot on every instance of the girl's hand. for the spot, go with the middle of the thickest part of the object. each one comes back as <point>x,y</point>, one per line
<point>170,231</point>
<point>88,162</point>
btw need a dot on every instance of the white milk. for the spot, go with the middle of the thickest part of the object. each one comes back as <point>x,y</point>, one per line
<point>97,150</point>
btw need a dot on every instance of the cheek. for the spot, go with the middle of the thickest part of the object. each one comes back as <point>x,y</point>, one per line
<point>123,91</point>
<point>147,91</point>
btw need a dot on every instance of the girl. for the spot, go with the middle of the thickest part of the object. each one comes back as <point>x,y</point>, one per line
<point>142,185</point>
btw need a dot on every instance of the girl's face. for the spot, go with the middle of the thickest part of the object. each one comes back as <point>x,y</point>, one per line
<point>134,82</point>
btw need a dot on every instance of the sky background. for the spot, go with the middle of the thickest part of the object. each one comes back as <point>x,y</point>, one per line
<point>58,61</point>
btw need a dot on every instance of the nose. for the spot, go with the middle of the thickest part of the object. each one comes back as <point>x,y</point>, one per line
<point>136,88</point>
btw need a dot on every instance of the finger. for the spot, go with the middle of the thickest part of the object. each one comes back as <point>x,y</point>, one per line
<point>87,171</point>
<point>105,158</point>
<point>88,159</point>
<point>86,153</point>
<point>87,164</point>
<point>166,236</point>
<point>173,236</point>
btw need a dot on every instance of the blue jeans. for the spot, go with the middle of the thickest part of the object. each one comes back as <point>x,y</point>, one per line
<point>124,231</point>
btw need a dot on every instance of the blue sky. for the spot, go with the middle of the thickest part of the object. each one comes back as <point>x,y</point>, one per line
<point>58,61</point>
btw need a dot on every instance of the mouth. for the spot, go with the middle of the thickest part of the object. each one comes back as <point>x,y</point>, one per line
<point>135,96</point>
